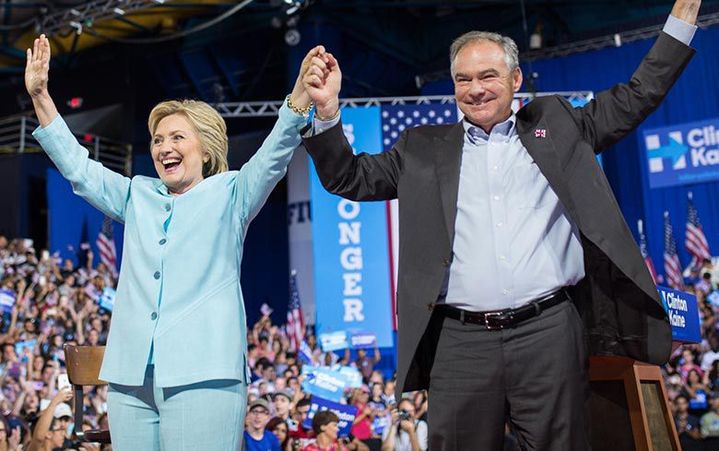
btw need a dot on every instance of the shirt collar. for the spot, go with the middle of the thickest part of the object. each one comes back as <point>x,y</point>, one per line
<point>504,129</point>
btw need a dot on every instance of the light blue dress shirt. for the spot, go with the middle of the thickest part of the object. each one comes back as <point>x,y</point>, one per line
<point>513,242</point>
<point>179,287</point>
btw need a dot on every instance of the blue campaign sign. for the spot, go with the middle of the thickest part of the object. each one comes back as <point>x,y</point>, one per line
<point>363,340</point>
<point>683,314</point>
<point>21,346</point>
<point>353,376</point>
<point>323,382</point>
<point>683,154</point>
<point>107,298</point>
<point>7,300</point>
<point>351,246</point>
<point>346,414</point>
<point>332,341</point>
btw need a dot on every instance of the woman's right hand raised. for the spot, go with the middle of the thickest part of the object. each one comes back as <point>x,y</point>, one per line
<point>36,77</point>
<point>38,67</point>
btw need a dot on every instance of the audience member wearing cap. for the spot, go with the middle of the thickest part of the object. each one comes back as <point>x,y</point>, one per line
<point>283,403</point>
<point>257,438</point>
<point>51,427</point>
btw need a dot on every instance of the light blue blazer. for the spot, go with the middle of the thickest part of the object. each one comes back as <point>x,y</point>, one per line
<point>179,290</point>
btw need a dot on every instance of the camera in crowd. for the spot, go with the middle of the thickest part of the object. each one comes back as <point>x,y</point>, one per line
<point>404,415</point>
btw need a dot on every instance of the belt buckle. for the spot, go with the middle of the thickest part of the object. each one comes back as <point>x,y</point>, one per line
<point>487,320</point>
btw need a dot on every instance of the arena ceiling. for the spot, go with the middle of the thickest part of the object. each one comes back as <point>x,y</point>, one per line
<point>221,50</point>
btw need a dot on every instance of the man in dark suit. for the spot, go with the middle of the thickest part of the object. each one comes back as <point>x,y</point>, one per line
<point>515,260</point>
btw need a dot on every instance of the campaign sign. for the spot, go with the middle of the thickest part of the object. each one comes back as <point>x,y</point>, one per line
<point>323,382</point>
<point>683,314</point>
<point>351,246</point>
<point>683,154</point>
<point>7,300</point>
<point>107,299</point>
<point>380,423</point>
<point>332,341</point>
<point>352,375</point>
<point>346,414</point>
<point>363,340</point>
<point>21,346</point>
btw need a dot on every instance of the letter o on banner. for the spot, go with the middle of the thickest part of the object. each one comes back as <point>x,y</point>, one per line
<point>348,209</point>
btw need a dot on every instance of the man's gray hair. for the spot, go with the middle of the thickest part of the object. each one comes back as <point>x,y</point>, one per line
<point>511,52</point>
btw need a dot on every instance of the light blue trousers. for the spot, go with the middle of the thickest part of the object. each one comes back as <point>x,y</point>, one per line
<point>207,415</point>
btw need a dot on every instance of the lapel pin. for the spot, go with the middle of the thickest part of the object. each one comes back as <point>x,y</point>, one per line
<point>540,133</point>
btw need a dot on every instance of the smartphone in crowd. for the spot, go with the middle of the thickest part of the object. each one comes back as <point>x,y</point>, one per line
<point>63,382</point>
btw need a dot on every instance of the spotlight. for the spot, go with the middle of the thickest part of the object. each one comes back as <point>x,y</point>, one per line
<point>77,26</point>
<point>292,37</point>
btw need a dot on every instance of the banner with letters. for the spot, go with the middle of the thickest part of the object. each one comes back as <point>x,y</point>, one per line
<point>351,248</point>
<point>682,154</point>
<point>683,314</point>
<point>345,412</point>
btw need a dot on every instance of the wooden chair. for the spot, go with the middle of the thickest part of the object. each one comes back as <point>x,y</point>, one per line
<point>83,368</point>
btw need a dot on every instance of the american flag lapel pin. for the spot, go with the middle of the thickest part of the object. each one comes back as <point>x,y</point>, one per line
<point>540,133</point>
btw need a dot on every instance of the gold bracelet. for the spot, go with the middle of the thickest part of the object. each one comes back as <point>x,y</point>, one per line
<point>301,111</point>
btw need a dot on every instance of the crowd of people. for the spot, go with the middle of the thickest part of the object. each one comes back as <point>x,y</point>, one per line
<point>47,303</point>
<point>692,375</point>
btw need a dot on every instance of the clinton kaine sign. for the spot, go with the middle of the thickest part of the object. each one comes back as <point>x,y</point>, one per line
<point>683,154</point>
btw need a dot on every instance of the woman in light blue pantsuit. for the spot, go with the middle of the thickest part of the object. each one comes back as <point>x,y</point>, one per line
<point>176,353</point>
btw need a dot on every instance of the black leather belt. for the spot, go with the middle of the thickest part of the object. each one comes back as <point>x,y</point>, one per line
<point>504,319</point>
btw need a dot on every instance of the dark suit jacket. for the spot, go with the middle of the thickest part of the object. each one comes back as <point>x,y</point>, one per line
<point>617,299</point>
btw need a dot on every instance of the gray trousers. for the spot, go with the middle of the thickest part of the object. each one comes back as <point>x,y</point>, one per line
<point>533,375</point>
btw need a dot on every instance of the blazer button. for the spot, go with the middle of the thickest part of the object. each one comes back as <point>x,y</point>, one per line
<point>445,262</point>
<point>167,207</point>
<point>157,275</point>
<point>430,306</point>
<point>163,241</point>
<point>153,316</point>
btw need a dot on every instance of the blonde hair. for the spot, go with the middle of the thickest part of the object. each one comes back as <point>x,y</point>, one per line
<point>208,124</point>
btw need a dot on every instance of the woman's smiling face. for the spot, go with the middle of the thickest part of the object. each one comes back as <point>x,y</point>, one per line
<point>177,153</point>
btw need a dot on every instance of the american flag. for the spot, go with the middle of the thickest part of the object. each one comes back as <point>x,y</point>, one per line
<point>695,241</point>
<point>672,268</point>
<point>295,319</point>
<point>397,118</point>
<point>106,245</point>
<point>645,253</point>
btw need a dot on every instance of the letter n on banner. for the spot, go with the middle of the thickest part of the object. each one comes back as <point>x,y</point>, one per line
<point>350,246</point>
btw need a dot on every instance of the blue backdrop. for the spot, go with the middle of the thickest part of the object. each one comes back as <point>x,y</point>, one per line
<point>695,97</point>
<point>72,220</point>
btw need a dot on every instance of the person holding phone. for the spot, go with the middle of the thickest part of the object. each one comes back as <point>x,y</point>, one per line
<point>51,428</point>
<point>178,334</point>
